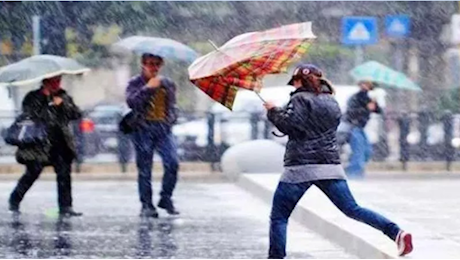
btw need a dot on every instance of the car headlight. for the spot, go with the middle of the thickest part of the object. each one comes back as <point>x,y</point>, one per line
<point>456,142</point>
<point>413,138</point>
<point>111,143</point>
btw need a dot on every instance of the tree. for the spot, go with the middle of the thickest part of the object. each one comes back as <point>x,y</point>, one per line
<point>449,100</point>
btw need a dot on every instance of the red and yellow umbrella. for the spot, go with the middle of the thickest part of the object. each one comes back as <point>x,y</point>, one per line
<point>243,61</point>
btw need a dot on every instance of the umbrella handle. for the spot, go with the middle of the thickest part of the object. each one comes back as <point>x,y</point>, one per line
<point>217,49</point>
<point>261,98</point>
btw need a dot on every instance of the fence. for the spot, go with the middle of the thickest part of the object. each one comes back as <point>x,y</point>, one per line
<point>422,136</point>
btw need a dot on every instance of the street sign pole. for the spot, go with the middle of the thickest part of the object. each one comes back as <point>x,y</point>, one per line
<point>397,28</point>
<point>455,40</point>
<point>358,31</point>
<point>36,34</point>
<point>399,59</point>
<point>359,54</point>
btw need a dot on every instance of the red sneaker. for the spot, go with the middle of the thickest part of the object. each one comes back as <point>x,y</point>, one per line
<point>404,242</point>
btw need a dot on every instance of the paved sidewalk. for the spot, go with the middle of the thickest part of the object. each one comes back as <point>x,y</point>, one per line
<point>218,220</point>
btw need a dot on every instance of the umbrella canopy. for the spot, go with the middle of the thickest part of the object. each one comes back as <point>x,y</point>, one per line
<point>376,72</point>
<point>243,61</point>
<point>36,68</point>
<point>162,47</point>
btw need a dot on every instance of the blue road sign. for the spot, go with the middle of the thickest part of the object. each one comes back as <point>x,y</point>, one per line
<point>359,30</point>
<point>397,26</point>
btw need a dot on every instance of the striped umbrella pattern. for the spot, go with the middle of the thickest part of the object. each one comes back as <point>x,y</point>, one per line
<point>379,73</point>
<point>243,61</point>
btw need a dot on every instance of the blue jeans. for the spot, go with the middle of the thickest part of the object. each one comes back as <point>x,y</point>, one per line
<point>361,152</point>
<point>155,136</point>
<point>288,194</point>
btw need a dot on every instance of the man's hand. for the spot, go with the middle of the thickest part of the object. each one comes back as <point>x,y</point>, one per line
<point>57,101</point>
<point>269,105</point>
<point>372,106</point>
<point>154,82</point>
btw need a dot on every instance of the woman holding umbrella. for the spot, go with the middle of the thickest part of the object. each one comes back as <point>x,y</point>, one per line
<point>52,106</point>
<point>312,158</point>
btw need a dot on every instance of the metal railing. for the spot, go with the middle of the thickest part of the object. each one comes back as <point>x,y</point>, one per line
<point>421,136</point>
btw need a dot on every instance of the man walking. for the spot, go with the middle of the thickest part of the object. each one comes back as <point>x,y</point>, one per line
<point>52,106</point>
<point>153,99</point>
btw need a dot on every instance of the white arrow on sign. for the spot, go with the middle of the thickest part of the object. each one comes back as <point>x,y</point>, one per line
<point>359,32</point>
<point>397,27</point>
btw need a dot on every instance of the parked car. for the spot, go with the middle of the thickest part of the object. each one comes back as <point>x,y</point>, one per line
<point>99,129</point>
<point>7,116</point>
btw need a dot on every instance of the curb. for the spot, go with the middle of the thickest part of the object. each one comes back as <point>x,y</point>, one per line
<point>90,168</point>
<point>418,166</point>
<point>184,176</point>
<point>387,175</point>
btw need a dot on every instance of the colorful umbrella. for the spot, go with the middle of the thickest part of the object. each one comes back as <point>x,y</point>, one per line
<point>162,47</point>
<point>36,68</point>
<point>376,72</point>
<point>243,61</point>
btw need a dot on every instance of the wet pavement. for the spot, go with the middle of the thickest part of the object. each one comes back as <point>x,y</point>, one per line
<point>218,220</point>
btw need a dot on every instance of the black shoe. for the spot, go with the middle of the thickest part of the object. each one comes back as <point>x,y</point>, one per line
<point>14,209</point>
<point>69,212</point>
<point>149,213</point>
<point>168,205</point>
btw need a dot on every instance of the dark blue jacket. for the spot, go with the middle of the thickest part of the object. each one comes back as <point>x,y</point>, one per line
<point>310,121</point>
<point>138,96</point>
<point>357,112</point>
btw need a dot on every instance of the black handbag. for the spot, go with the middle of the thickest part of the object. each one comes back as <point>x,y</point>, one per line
<point>25,132</point>
<point>130,122</point>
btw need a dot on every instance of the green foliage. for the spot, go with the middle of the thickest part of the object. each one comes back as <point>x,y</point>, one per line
<point>329,51</point>
<point>450,100</point>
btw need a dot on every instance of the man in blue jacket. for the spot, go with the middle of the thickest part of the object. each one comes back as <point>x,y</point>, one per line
<point>153,97</point>
<point>359,109</point>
